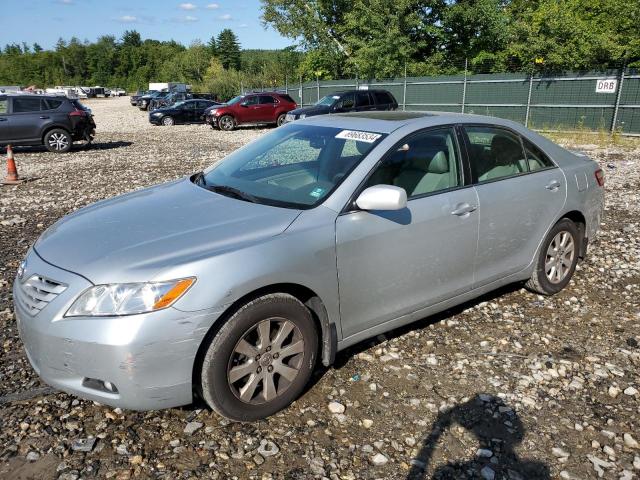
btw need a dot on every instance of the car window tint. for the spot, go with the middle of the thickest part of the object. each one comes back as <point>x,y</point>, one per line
<point>51,104</point>
<point>202,104</point>
<point>21,105</point>
<point>288,98</point>
<point>495,153</point>
<point>347,101</point>
<point>3,105</point>
<point>251,100</point>
<point>536,158</point>
<point>267,99</point>
<point>382,97</point>
<point>425,163</point>
<point>362,99</point>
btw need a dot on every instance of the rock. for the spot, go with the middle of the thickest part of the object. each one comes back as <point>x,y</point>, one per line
<point>629,441</point>
<point>559,452</point>
<point>316,465</point>
<point>258,459</point>
<point>636,462</point>
<point>379,459</point>
<point>613,391</point>
<point>68,476</point>
<point>32,456</point>
<point>192,427</point>
<point>83,444</point>
<point>122,450</point>
<point>136,460</point>
<point>484,453</point>
<point>268,448</point>
<point>367,423</point>
<point>631,391</point>
<point>487,473</point>
<point>335,407</point>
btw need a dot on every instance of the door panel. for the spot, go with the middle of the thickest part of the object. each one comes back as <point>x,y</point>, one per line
<point>394,263</point>
<point>5,120</point>
<point>515,214</point>
<point>27,120</point>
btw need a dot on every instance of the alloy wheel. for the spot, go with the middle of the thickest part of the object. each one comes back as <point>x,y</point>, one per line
<point>560,255</point>
<point>58,141</point>
<point>226,123</point>
<point>167,121</point>
<point>265,361</point>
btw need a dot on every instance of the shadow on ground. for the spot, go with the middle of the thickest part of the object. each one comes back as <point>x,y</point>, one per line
<point>497,429</point>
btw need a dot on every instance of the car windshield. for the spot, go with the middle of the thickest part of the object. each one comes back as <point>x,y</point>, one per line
<point>235,100</point>
<point>179,104</point>
<point>295,166</point>
<point>328,100</point>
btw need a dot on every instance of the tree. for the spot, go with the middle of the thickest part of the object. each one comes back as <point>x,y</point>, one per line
<point>229,50</point>
<point>212,45</point>
<point>37,48</point>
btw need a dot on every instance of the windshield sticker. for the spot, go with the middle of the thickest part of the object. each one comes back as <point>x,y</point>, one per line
<point>317,192</point>
<point>358,136</point>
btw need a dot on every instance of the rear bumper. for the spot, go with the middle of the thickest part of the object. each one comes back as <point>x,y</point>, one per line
<point>149,358</point>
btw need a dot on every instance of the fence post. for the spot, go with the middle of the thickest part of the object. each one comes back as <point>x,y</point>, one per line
<point>286,84</point>
<point>301,93</point>
<point>241,88</point>
<point>464,85</point>
<point>404,89</point>
<point>357,82</point>
<point>318,87</point>
<point>526,116</point>
<point>618,95</point>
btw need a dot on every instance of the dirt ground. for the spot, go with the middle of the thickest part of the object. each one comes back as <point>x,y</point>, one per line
<point>510,386</point>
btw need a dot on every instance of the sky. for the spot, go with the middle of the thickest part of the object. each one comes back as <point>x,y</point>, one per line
<point>45,21</point>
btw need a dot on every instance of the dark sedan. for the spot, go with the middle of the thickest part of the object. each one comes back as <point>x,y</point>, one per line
<point>188,111</point>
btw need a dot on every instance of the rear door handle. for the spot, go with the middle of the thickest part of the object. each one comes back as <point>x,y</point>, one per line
<point>3,119</point>
<point>553,185</point>
<point>44,117</point>
<point>463,209</point>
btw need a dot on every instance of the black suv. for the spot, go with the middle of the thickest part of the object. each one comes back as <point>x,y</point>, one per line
<point>53,121</point>
<point>348,101</point>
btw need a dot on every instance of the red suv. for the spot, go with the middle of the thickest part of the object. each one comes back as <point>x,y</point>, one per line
<point>252,108</point>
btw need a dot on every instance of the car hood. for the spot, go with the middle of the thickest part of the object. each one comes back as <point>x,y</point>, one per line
<point>135,236</point>
<point>312,110</point>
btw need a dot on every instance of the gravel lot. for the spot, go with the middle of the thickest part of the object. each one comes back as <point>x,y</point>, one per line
<point>512,385</point>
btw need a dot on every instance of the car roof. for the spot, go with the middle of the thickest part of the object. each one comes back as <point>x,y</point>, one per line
<point>358,90</point>
<point>389,121</point>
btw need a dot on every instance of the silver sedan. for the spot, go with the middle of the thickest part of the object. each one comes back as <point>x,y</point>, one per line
<point>232,283</point>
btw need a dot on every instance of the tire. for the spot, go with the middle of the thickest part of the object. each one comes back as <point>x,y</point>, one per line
<point>58,140</point>
<point>168,121</point>
<point>553,273</point>
<point>242,394</point>
<point>226,123</point>
<point>280,119</point>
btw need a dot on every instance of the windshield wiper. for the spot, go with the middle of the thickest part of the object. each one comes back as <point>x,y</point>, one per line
<point>226,190</point>
<point>199,179</point>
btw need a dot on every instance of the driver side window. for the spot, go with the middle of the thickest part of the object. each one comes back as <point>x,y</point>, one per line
<point>347,102</point>
<point>424,164</point>
<point>251,100</point>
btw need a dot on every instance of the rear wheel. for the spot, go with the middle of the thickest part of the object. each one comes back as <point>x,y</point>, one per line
<point>227,122</point>
<point>281,118</point>
<point>58,140</point>
<point>168,121</point>
<point>261,359</point>
<point>557,259</point>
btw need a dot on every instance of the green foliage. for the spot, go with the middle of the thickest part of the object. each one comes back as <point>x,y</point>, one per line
<point>228,49</point>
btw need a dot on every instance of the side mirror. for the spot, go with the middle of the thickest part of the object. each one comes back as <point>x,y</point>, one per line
<point>244,104</point>
<point>382,197</point>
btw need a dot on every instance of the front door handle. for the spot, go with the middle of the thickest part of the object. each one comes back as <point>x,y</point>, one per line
<point>44,117</point>
<point>463,209</point>
<point>3,119</point>
<point>553,185</point>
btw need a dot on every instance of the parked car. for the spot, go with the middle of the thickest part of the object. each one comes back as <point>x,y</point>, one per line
<point>118,92</point>
<point>145,100</point>
<point>349,101</point>
<point>253,108</point>
<point>136,96</point>
<point>54,121</point>
<point>234,281</point>
<point>187,111</point>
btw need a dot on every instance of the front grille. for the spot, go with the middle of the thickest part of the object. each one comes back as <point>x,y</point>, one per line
<point>36,293</point>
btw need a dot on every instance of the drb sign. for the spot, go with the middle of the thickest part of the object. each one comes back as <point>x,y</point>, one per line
<point>606,85</point>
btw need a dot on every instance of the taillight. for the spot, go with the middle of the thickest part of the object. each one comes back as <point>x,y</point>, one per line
<point>78,113</point>
<point>600,177</point>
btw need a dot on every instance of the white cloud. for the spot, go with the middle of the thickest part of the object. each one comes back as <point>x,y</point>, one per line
<point>225,17</point>
<point>66,2</point>
<point>243,25</point>
<point>190,18</point>
<point>128,19</point>
<point>213,6</point>
<point>188,6</point>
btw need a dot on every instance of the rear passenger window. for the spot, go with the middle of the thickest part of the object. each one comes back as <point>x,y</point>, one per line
<point>51,104</point>
<point>426,163</point>
<point>495,153</point>
<point>21,105</point>
<point>3,106</point>
<point>382,97</point>
<point>268,99</point>
<point>363,99</point>
<point>536,158</point>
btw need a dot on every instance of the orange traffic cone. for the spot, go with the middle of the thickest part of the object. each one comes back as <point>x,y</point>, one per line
<point>12,177</point>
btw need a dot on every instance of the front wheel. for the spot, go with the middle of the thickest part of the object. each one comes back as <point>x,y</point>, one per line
<point>261,359</point>
<point>168,121</point>
<point>58,140</point>
<point>557,259</point>
<point>227,123</point>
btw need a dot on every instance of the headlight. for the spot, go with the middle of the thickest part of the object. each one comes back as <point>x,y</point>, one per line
<point>212,112</point>
<point>156,114</point>
<point>128,298</point>
<point>302,115</point>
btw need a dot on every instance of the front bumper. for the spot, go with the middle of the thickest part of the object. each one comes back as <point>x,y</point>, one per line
<point>149,358</point>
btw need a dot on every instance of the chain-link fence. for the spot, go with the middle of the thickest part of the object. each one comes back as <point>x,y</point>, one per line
<point>598,100</point>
